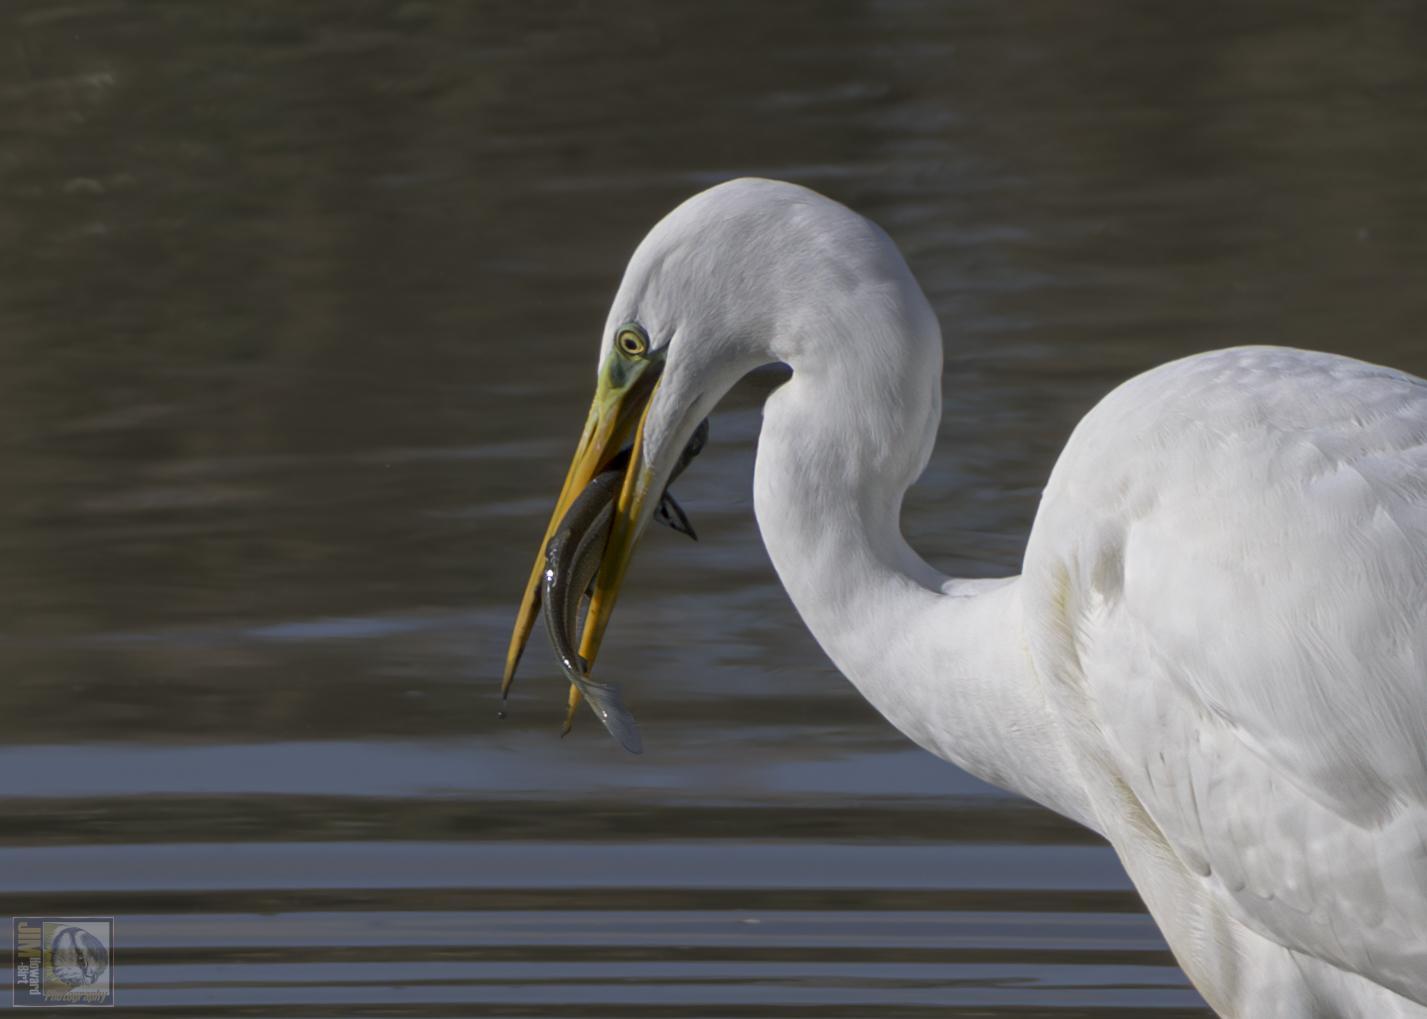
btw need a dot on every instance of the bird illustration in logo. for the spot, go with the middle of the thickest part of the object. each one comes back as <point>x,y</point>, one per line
<point>77,957</point>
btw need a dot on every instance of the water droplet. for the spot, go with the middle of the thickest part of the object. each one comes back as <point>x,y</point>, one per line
<point>500,714</point>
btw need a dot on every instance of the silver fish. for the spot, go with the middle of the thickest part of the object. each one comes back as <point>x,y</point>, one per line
<point>572,559</point>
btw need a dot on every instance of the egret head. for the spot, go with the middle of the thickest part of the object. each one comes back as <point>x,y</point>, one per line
<point>738,276</point>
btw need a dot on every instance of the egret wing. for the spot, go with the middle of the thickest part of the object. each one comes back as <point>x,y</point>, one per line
<point>1230,570</point>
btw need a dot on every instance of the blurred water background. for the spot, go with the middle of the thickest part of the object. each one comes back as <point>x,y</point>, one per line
<point>299,306</point>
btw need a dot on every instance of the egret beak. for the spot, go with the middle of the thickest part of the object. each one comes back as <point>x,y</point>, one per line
<point>629,519</point>
<point>631,513</point>
<point>622,397</point>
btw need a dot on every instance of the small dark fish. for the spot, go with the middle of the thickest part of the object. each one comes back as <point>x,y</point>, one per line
<point>572,560</point>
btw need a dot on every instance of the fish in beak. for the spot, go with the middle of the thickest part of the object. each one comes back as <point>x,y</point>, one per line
<point>621,396</point>
<point>628,378</point>
<point>572,560</point>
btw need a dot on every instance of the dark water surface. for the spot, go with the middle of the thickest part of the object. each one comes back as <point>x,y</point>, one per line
<point>299,306</point>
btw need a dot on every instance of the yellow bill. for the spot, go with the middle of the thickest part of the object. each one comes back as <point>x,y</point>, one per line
<point>622,397</point>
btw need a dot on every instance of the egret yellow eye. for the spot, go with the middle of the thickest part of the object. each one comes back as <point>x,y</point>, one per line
<point>632,341</point>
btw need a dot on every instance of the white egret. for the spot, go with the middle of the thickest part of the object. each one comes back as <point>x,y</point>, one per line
<point>1216,653</point>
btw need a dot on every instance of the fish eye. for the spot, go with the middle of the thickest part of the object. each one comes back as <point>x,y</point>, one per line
<point>632,340</point>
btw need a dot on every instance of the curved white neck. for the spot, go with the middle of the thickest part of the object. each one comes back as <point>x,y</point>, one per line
<point>944,661</point>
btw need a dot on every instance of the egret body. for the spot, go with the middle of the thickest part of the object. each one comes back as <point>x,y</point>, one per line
<point>1215,655</point>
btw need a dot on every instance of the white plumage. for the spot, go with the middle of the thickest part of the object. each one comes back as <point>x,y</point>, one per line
<point>1216,654</point>
<point>1228,582</point>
